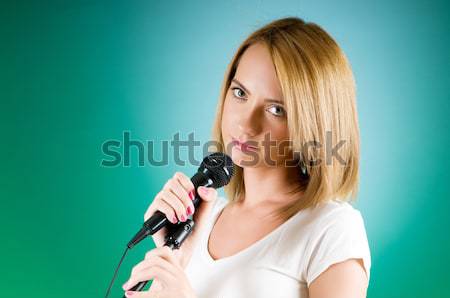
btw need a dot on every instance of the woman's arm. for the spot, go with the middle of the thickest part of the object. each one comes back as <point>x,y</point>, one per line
<point>347,279</point>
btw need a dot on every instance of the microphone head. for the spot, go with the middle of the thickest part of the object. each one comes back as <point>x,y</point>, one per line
<point>218,167</point>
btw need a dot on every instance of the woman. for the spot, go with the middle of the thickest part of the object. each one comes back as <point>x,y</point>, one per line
<point>287,117</point>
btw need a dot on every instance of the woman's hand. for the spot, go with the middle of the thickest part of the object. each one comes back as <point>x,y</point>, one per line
<point>169,279</point>
<point>175,201</point>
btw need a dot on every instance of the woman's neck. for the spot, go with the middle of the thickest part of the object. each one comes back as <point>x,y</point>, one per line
<point>267,188</point>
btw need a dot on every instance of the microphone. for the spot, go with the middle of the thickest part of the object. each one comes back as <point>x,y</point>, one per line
<point>215,171</point>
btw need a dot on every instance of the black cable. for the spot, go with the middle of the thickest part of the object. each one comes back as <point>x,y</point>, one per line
<point>115,273</point>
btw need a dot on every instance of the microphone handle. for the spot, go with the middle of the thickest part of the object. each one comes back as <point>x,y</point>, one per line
<point>173,241</point>
<point>156,222</point>
<point>159,220</point>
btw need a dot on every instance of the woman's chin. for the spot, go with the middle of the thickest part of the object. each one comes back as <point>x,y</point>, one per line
<point>244,160</point>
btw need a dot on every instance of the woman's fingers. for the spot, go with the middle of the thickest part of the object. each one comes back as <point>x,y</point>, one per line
<point>139,295</point>
<point>163,256</point>
<point>147,263</point>
<point>174,185</point>
<point>132,294</point>
<point>150,273</point>
<point>167,254</point>
<point>171,199</point>
<point>185,181</point>
<point>178,193</point>
<point>175,202</point>
<point>163,206</point>
<point>160,263</point>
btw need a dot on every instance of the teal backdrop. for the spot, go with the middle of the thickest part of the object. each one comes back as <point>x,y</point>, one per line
<point>74,74</point>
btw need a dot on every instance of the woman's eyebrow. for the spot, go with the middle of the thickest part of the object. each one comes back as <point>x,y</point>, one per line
<point>248,92</point>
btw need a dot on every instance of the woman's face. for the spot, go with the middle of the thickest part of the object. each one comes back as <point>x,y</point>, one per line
<point>254,112</point>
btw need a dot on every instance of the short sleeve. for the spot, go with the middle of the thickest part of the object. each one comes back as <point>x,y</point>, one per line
<point>218,205</point>
<point>341,236</point>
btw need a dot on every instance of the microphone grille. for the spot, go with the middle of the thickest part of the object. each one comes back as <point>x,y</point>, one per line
<point>219,167</point>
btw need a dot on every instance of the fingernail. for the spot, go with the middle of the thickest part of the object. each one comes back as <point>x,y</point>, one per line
<point>183,218</point>
<point>174,219</point>
<point>129,293</point>
<point>191,195</point>
<point>125,286</point>
<point>189,210</point>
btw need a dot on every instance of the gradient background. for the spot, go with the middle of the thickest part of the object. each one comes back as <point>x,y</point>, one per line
<point>77,73</point>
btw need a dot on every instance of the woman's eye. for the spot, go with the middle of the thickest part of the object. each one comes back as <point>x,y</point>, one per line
<point>277,111</point>
<point>238,92</point>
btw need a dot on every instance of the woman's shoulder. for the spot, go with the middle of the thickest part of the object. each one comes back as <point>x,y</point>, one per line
<point>338,234</point>
<point>336,218</point>
<point>334,211</point>
<point>328,220</point>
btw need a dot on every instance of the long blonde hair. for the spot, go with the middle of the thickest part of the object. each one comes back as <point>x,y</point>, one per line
<point>319,93</point>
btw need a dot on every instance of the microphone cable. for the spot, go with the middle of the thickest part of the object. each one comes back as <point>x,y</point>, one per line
<point>115,273</point>
<point>174,239</point>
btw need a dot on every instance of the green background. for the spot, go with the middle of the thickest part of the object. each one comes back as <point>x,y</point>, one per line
<point>77,73</point>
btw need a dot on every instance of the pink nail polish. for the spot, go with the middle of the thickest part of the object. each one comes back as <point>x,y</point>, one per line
<point>183,218</point>
<point>125,286</point>
<point>191,195</point>
<point>174,219</point>
<point>129,293</point>
<point>189,210</point>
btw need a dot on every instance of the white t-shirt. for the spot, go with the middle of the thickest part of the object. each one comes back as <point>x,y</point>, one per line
<point>285,262</point>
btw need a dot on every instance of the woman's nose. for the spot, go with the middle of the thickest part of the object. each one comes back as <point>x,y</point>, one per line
<point>250,123</point>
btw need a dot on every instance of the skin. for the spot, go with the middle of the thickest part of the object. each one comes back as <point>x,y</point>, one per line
<point>252,118</point>
<point>247,116</point>
<point>163,265</point>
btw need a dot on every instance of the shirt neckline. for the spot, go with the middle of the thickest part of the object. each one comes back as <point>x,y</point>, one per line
<point>244,251</point>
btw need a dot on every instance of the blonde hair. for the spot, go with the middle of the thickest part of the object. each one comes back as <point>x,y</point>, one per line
<point>319,94</point>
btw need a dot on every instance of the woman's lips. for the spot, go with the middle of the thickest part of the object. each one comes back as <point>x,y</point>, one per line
<point>245,147</point>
